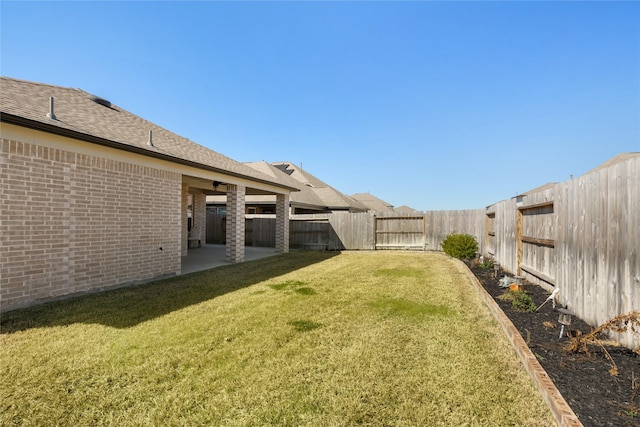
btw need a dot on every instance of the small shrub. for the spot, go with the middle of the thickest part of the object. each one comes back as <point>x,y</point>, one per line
<point>461,246</point>
<point>486,264</point>
<point>522,302</point>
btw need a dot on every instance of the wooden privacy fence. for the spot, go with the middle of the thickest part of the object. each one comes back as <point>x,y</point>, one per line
<point>581,236</point>
<point>357,231</point>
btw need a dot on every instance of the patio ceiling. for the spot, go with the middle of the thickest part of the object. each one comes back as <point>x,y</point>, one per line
<point>206,186</point>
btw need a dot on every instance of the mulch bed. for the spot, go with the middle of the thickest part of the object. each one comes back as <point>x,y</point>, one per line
<point>596,396</point>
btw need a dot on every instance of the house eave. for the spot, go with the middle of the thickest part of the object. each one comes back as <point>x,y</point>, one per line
<point>56,130</point>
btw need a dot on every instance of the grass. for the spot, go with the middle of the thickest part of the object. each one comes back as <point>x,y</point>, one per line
<point>306,338</point>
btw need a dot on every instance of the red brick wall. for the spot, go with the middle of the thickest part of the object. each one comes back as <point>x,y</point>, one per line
<point>73,223</point>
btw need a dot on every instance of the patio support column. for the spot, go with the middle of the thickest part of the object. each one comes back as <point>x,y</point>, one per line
<point>235,223</point>
<point>282,223</point>
<point>198,231</point>
<point>185,221</point>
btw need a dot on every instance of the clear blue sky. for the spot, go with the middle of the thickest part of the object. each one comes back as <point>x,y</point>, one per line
<point>434,105</point>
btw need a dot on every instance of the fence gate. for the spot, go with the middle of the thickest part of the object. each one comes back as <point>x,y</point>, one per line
<point>400,232</point>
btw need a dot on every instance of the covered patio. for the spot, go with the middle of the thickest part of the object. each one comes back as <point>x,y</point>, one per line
<point>194,211</point>
<point>211,256</point>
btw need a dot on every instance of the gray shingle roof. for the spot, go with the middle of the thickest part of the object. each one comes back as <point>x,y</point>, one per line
<point>274,172</point>
<point>404,209</point>
<point>372,202</point>
<point>617,159</point>
<point>316,192</point>
<point>78,115</point>
<point>305,197</point>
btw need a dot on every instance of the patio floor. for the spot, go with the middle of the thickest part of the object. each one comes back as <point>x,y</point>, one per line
<point>211,256</point>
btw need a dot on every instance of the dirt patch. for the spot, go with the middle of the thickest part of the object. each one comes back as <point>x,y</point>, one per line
<point>598,397</point>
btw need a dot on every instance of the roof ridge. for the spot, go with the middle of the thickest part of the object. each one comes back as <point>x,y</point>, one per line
<point>37,83</point>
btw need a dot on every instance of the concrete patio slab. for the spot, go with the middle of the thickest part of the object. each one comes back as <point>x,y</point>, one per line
<point>211,256</point>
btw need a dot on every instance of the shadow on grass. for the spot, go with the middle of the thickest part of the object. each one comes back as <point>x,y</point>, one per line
<point>126,307</point>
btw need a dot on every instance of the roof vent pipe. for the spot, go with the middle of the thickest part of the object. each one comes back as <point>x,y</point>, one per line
<point>150,142</point>
<point>50,114</point>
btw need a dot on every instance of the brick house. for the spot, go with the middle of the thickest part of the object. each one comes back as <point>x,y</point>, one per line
<point>95,197</point>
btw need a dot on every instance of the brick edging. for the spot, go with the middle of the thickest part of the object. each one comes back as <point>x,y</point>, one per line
<point>560,409</point>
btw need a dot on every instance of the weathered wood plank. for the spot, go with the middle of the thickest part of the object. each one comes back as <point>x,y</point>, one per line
<point>531,270</point>
<point>538,241</point>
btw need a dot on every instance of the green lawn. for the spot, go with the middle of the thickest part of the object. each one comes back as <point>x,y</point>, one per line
<point>305,338</point>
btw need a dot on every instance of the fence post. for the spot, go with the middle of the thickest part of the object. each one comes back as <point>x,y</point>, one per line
<point>424,232</point>
<point>375,232</point>
<point>518,240</point>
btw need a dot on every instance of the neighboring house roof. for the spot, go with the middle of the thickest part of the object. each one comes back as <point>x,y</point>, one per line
<point>331,198</point>
<point>313,193</point>
<point>617,159</point>
<point>81,115</point>
<point>537,189</point>
<point>275,173</point>
<point>406,209</point>
<point>303,198</point>
<point>372,202</point>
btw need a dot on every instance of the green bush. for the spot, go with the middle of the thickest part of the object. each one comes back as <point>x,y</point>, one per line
<point>461,246</point>
<point>522,301</point>
<point>487,264</point>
